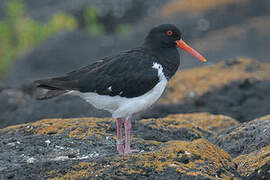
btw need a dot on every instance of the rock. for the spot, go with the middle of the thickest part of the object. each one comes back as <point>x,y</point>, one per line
<point>244,138</point>
<point>85,148</point>
<point>176,160</point>
<point>255,165</point>
<point>196,82</point>
<point>186,127</point>
<point>236,88</point>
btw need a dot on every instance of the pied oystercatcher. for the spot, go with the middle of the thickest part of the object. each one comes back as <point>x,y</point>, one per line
<point>127,82</point>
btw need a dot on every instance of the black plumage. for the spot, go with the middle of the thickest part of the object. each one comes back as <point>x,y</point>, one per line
<point>127,74</point>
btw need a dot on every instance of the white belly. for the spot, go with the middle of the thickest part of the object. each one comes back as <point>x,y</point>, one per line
<point>125,107</point>
<point>122,106</point>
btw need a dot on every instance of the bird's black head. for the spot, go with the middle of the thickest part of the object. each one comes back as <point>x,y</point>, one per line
<point>163,36</point>
<point>167,37</point>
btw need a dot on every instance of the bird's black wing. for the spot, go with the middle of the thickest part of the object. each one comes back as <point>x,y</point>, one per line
<point>128,74</point>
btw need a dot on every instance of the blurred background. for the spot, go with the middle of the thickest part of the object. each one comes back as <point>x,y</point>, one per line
<point>46,38</point>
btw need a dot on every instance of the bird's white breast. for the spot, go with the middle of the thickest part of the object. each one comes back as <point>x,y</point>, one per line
<point>125,107</point>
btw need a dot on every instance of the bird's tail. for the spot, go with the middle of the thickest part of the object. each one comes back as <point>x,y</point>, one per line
<point>51,94</point>
<point>52,90</point>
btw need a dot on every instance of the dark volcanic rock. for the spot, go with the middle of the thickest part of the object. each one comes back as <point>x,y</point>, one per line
<point>85,148</point>
<point>262,173</point>
<point>187,127</point>
<point>243,100</point>
<point>245,138</point>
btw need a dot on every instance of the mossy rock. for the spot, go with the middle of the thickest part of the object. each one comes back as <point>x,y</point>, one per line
<point>195,82</point>
<point>184,126</point>
<point>174,160</point>
<point>174,127</point>
<point>73,128</point>
<point>85,148</point>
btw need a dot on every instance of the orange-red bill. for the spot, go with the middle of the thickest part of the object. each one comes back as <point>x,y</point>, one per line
<point>180,43</point>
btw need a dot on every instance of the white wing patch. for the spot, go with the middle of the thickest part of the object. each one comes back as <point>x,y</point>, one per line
<point>160,70</point>
<point>110,88</point>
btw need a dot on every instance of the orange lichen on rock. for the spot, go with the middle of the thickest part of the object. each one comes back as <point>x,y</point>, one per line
<point>207,121</point>
<point>200,123</point>
<point>197,158</point>
<point>253,161</point>
<point>75,127</point>
<point>197,81</point>
<point>267,117</point>
<point>194,7</point>
<point>81,170</point>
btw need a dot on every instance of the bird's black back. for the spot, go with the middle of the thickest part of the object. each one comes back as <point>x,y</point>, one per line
<point>127,74</point>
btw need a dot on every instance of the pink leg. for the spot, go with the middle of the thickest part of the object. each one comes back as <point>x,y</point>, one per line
<point>127,149</point>
<point>120,147</point>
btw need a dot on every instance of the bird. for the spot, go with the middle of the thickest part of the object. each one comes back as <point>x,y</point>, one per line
<point>127,82</point>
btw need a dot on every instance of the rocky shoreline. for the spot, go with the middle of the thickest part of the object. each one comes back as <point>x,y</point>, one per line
<point>197,146</point>
<point>212,122</point>
<point>183,136</point>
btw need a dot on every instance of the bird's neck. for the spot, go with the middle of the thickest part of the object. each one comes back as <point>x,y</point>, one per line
<point>168,57</point>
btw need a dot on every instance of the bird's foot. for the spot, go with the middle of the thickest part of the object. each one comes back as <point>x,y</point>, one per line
<point>120,149</point>
<point>131,151</point>
<point>128,151</point>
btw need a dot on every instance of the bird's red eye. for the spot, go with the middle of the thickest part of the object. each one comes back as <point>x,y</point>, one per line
<point>169,33</point>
